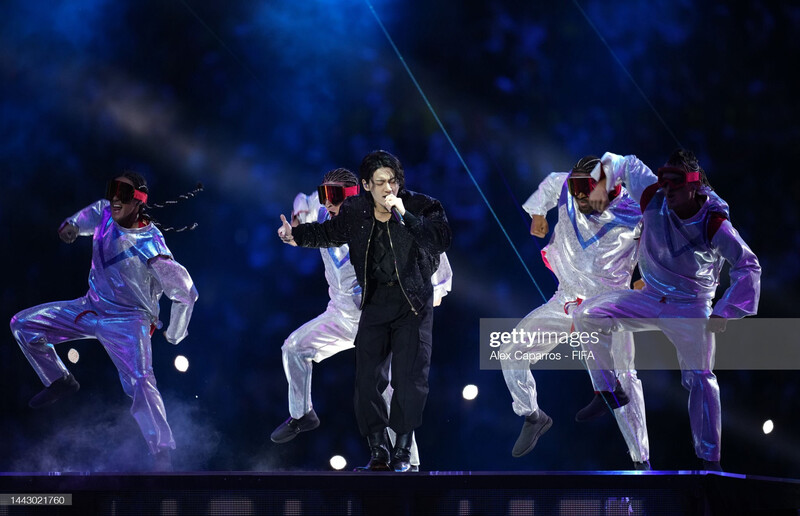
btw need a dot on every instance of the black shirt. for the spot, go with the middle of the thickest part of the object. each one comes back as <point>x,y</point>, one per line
<point>381,257</point>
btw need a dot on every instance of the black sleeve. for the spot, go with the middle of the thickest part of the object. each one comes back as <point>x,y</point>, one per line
<point>331,233</point>
<point>430,228</point>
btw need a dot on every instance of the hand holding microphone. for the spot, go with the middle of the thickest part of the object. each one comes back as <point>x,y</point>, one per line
<point>395,205</point>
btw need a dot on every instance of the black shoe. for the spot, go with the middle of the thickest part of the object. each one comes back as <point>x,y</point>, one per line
<point>711,465</point>
<point>379,452</point>
<point>414,468</point>
<point>401,457</point>
<point>534,426</point>
<point>61,388</point>
<point>601,403</point>
<point>162,462</point>
<point>642,466</point>
<point>289,429</point>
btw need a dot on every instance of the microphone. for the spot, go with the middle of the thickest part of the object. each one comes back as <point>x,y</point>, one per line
<point>397,216</point>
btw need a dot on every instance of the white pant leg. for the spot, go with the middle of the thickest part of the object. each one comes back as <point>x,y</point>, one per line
<point>127,342</point>
<point>614,316</point>
<point>631,418</point>
<point>324,336</point>
<point>612,312</point>
<point>696,351</point>
<point>684,325</point>
<point>550,317</point>
<point>38,329</point>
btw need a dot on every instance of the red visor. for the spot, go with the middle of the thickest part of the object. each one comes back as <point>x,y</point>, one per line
<point>685,177</point>
<point>580,186</point>
<point>335,193</point>
<point>124,192</point>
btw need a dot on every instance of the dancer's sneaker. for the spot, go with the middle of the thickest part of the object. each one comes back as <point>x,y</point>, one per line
<point>534,427</point>
<point>61,388</point>
<point>289,429</point>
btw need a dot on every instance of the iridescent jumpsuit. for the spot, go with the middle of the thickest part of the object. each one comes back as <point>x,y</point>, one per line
<point>131,269</point>
<point>680,266</point>
<point>589,254</point>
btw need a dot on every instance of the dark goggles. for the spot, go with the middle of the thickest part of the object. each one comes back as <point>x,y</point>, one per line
<point>335,193</point>
<point>580,186</point>
<point>678,182</point>
<point>124,192</point>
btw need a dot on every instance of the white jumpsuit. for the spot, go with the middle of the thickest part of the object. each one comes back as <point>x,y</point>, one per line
<point>589,254</point>
<point>680,265</point>
<point>131,269</point>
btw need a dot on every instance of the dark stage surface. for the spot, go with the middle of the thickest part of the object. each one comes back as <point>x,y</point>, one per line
<point>257,100</point>
<point>464,493</point>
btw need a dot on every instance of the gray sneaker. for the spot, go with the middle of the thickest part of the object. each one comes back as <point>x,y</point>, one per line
<point>289,429</point>
<point>534,427</point>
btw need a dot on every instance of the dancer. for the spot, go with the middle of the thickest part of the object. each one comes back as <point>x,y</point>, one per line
<point>131,268</point>
<point>590,253</point>
<point>335,329</point>
<point>685,241</point>
<point>394,258</point>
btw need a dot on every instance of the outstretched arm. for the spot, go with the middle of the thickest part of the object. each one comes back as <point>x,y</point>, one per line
<point>543,200</point>
<point>178,286</point>
<point>331,233</point>
<point>82,223</point>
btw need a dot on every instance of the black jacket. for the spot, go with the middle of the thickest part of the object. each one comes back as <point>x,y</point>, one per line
<point>416,245</point>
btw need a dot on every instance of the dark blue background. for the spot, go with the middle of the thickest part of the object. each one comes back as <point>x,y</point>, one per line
<point>258,99</point>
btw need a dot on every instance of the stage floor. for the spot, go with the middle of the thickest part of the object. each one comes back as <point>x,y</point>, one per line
<point>603,493</point>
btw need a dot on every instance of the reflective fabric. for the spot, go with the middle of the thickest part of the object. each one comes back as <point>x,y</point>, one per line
<point>684,324</point>
<point>589,254</point>
<point>681,269</point>
<point>676,258</point>
<point>125,338</point>
<point>552,317</point>
<point>119,310</point>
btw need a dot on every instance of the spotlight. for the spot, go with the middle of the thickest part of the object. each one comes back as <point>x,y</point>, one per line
<point>768,427</point>
<point>73,355</point>
<point>470,392</point>
<point>181,363</point>
<point>338,462</point>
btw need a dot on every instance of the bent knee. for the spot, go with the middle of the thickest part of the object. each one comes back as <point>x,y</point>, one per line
<point>17,323</point>
<point>693,377</point>
<point>297,347</point>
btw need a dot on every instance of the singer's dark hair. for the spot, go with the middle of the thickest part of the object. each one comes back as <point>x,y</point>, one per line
<point>379,159</point>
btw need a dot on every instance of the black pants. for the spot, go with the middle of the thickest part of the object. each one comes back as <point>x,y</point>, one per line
<point>389,328</point>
